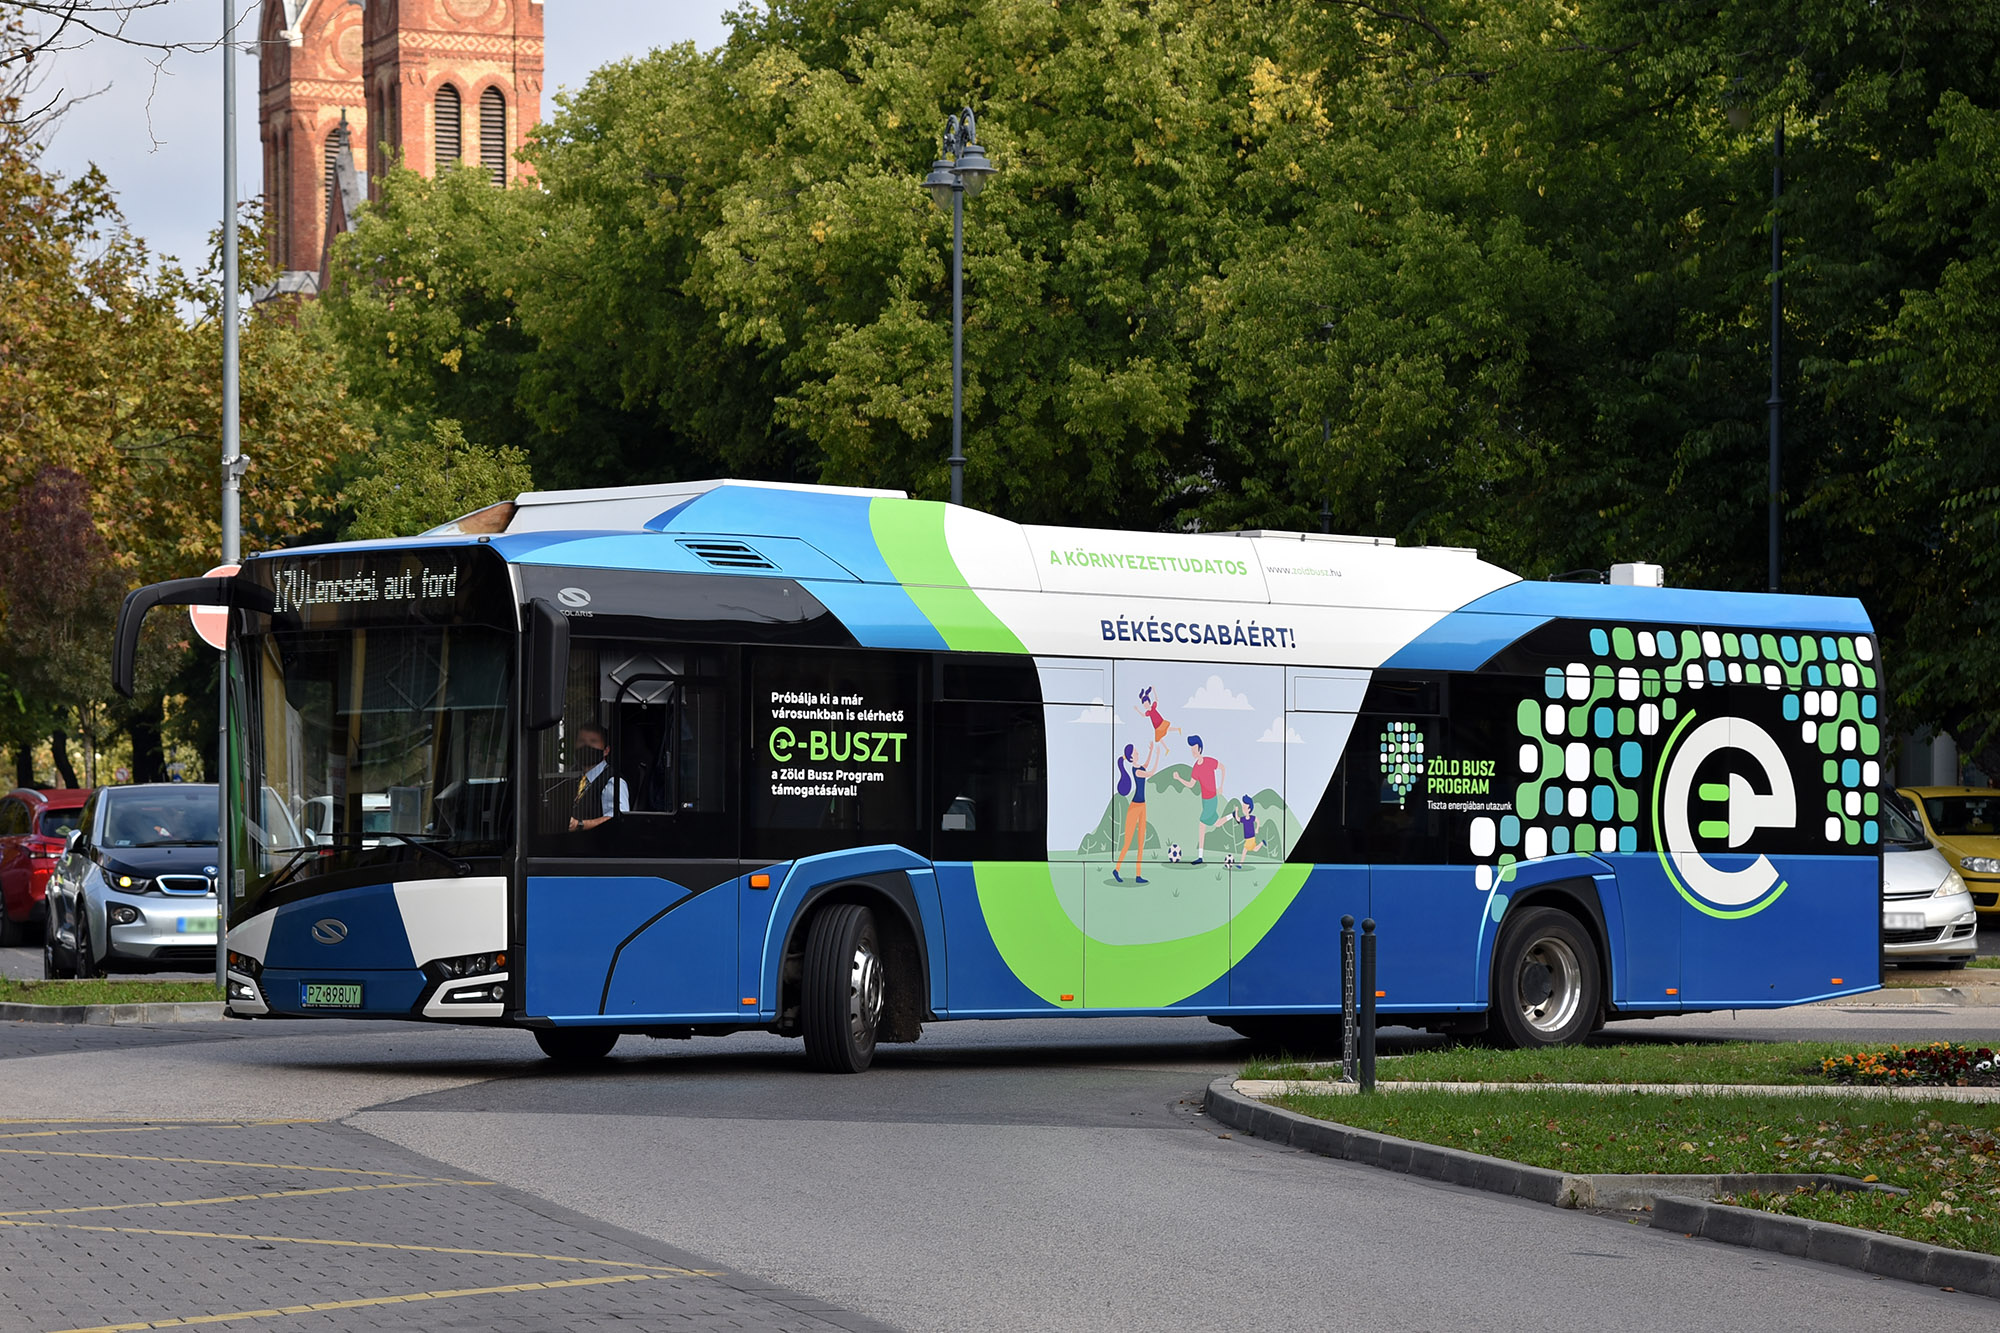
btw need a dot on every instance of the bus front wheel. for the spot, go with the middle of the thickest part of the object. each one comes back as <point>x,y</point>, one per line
<point>1546,984</point>
<point>576,1046</point>
<point>841,1003</point>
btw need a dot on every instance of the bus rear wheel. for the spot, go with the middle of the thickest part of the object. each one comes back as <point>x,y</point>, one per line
<point>841,1001</point>
<point>576,1046</point>
<point>1547,987</point>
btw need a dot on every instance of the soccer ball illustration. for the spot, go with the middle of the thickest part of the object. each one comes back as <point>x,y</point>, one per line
<point>1229,858</point>
<point>1174,852</point>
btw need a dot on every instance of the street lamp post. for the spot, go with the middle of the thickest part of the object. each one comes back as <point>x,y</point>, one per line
<point>961,170</point>
<point>232,472</point>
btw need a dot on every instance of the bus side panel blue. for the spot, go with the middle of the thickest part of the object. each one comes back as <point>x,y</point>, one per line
<point>923,886</point>
<point>878,615</point>
<point>683,966</point>
<point>981,983</point>
<point>790,890</point>
<point>1642,930</point>
<point>1297,964</point>
<point>574,924</point>
<point>1432,948</point>
<point>1825,924</point>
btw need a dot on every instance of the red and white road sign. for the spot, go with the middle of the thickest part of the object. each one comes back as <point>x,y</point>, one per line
<point>212,622</point>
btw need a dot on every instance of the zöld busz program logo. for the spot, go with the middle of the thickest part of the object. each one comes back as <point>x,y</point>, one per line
<point>1758,793</point>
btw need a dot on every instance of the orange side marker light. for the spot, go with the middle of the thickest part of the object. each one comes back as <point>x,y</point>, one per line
<point>749,999</point>
<point>1380,994</point>
<point>1838,982</point>
<point>760,881</point>
<point>1066,997</point>
<point>1673,990</point>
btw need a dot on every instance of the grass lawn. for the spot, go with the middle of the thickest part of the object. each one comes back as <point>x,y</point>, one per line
<point>1713,1062</point>
<point>1946,1153</point>
<point>105,991</point>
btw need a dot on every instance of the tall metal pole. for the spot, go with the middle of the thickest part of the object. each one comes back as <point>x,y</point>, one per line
<point>1777,401</point>
<point>958,345</point>
<point>232,517</point>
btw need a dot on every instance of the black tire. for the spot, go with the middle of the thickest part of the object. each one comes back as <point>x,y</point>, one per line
<point>840,1007</point>
<point>1547,983</point>
<point>1953,965</point>
<point>11,931</point>
<point>55,965</point>
<point>576,1046</point>
<point>87,966</point>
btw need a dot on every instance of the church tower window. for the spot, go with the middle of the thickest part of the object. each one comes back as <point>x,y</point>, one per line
<point>450,129</point>
<point>493,134</point>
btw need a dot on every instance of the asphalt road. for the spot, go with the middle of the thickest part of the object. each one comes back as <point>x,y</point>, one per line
<point>995,1175</point>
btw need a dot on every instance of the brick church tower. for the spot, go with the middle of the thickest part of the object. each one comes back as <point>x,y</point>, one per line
<point>418,82</point>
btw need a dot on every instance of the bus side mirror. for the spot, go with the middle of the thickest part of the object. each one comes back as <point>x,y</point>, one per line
<point>548,665</point>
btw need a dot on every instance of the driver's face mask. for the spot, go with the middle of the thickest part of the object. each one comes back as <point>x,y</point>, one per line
<point>588,756</point>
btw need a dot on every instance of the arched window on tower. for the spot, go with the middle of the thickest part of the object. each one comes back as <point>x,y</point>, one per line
<point>493,134</point>
<point>450,129</point>
<point>333,142</point>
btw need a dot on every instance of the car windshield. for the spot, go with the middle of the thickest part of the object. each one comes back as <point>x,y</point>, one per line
<point>58,823</point>
<point>1899,826</point>
<point>160,817</point>
<point>1963,816</point>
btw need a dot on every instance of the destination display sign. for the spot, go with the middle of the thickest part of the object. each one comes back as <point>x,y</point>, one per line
<point>442,585</point>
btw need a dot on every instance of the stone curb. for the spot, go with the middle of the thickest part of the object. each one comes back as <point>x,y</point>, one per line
<point>1266,1087</point>
<point>195,1011</point>
<point>1830,1243</point>
<point>1825,1242</point>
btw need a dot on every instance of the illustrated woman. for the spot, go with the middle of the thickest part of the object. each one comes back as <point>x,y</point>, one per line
<point>1132,782</point>
<point>1148,707</point>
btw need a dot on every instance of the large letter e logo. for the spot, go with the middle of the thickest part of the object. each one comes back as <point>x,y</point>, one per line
<point>1748,811</point>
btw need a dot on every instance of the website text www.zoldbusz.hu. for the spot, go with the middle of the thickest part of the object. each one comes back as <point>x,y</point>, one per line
<point>841,743</point>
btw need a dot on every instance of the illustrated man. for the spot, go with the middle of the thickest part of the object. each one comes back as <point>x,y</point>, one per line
<point>1208,777</point>
<point>599,794</point>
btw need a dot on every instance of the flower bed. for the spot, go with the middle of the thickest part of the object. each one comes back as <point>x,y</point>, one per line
<point>1941,1064</point>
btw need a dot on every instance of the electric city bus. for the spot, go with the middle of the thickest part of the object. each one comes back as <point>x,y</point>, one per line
<point>698,758</point>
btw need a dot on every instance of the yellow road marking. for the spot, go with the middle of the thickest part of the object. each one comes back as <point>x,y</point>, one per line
<point>231,1198</point>
<point>129,1129</point>
<point>513,1288</point>
<point>664,1269</point>
<point>155,1120</point>
<point>207,1161</point>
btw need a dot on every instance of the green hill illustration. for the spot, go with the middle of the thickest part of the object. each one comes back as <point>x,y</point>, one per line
<point>1173,808</point>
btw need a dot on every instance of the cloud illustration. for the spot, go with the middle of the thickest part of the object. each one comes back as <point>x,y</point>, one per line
<point>1094,716</point>
<point>1215,696</point>
<point>1278,733</point>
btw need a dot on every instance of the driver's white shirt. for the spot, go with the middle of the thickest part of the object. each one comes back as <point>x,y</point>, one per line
<point>613,790</point>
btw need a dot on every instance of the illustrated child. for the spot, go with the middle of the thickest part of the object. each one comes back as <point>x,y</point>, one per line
<point>1149,707</point>
<point>1248,816</point>
<point>1132,782</point>
<point>1208,777</point>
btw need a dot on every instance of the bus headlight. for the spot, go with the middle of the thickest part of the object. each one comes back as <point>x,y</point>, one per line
<point>468,965</point>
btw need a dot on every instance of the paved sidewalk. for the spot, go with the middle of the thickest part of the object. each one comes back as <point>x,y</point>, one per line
<point>293,1225</point>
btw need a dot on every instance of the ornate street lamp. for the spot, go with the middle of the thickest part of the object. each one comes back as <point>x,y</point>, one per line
<point>959,172</point>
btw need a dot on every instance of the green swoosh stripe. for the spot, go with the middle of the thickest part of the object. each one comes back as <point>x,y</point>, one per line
<point>910,535</point>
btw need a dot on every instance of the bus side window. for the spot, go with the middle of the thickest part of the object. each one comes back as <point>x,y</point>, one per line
<point>989,797</point>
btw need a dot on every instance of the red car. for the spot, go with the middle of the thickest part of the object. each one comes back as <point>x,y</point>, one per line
<point>34,827</point>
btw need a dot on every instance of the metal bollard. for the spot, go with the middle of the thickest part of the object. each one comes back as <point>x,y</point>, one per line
<point>1368,1005</point>
<point>1347,999</point>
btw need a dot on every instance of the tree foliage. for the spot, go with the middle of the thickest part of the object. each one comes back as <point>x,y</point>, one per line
<point>414,484</point>
<point>1479,273</point>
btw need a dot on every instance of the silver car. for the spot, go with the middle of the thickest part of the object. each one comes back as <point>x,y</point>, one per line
<point>1927,913</point>
<point>135,891</point>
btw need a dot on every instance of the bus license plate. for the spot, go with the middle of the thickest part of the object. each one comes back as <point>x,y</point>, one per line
<point>332,995</point>
<point>1903,921</point>
<point>197,925</point>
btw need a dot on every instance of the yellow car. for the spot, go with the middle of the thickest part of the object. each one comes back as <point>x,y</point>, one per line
<point>1964,822</point>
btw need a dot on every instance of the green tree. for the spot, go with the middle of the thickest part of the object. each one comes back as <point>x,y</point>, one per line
<point>418,483</point>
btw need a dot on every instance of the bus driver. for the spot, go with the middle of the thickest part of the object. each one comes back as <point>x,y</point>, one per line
<point>599,795</point>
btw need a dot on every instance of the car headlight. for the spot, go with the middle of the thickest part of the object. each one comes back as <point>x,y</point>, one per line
<point>131,883</point>
<point>1981,865</point>
<point>121,915</point>
<point>1953,883</point>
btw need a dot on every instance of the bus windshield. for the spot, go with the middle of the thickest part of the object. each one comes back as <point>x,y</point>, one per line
<point>381,747</point>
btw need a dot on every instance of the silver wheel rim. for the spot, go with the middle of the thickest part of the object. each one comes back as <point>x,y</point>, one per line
<point>864,994</point>
<point>1549,985</point>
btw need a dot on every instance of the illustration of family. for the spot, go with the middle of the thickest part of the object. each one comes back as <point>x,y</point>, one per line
<point>1206,775</point>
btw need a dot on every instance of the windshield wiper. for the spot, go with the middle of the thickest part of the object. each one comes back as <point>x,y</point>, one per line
<point>458,867</point>
<point>285,871</point>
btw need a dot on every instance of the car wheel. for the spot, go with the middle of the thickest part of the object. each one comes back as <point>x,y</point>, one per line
<point>576,1046</point>
<point>841,1005</point>
<point>87,965</point>
<point>55,967</point>
<point>1546,984</point>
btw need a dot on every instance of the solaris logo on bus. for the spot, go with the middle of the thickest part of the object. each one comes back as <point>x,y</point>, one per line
<point>1402,758</point>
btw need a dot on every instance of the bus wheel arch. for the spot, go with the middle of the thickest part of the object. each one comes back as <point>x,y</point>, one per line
<point>1550,969</point>
<point>899,941</point>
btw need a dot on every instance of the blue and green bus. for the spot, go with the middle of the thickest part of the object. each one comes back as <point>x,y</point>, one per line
<point>697,758</point>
